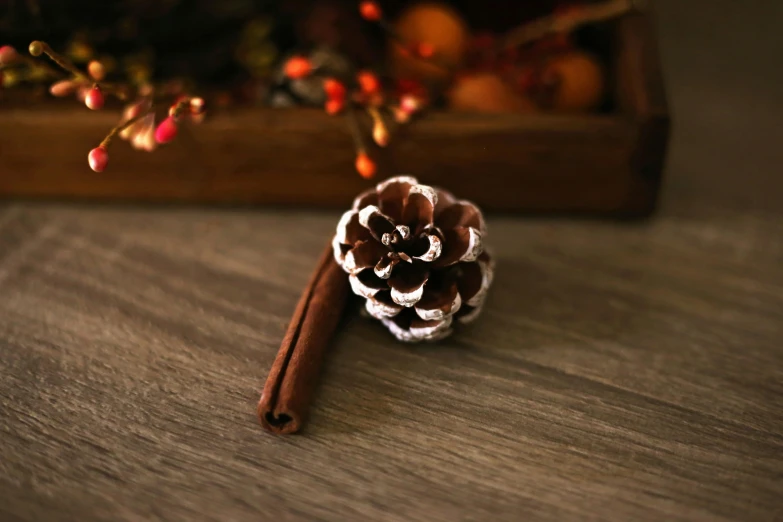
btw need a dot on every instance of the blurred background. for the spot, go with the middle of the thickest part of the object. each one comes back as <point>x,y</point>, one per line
<point>720,64</point>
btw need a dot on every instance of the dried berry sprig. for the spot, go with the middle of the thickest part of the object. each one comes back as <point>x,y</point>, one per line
<point>138,122</point>
<point>94,97</point>
<point>10,59</point>
<point>99,156</point>
<point>38,48</point>
<point>371,11</point>
<point>146,136</point>
<point>365,166</point>
<point>364,91</point>
<point>361,91</point>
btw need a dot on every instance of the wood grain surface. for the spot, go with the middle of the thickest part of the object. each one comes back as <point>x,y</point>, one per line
<point>620,371</point>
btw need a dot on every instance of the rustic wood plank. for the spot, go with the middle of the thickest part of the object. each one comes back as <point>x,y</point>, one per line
<point>642,384</point>
<point>269,156</point>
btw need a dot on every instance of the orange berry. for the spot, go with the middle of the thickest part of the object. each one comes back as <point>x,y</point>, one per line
<point>334,89</point>
<point>370,11</point>
<point>298,67</point>
<point>368,82</point>
<point>334,107</point>
<point>365,166</point>
<point>96,70</point>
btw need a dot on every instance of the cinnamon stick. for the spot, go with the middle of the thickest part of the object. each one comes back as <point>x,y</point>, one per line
<point>291,383</point>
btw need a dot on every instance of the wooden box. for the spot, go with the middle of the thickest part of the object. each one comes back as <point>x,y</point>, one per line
<point>603,164</point>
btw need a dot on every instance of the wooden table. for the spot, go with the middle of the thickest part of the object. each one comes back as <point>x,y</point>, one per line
<point>620,371</point>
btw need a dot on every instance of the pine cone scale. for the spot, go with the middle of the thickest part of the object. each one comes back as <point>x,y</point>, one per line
<point>436,306</point>
<point>364,255</point>
<point>419,209</point>
<point>407,283</point>
<point>461,244</point>
<point>376,222</point>
<point>475,281</point>
<point>381,305</point>
<point>461,214</point>
<point>366,283</point>
<point>427,248</point>
<point>392,196</point>
<point>350,230</point>
<point>366,198</point>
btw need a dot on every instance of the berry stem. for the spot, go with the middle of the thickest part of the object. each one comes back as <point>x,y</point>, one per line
<point>399,40</point>
<point>122,126</point>
<point>59,59</point>
<point>179,108</point>
<point>32,62</point>
<point>121,91</point>
<point>353,125</point>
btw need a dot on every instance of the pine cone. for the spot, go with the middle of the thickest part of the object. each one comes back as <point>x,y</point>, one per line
<point>416,254</point>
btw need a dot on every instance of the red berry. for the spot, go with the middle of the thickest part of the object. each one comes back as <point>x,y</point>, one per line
<point>365,166</point>
<point>370,11</point>
<point>98,158</point>
<point>94,99</point>
<point>166,131</point>
<point>298,67</point>
<point>334,89</point>
<point>368,82</point>
<point>7,55</point>
<point>334,106</point>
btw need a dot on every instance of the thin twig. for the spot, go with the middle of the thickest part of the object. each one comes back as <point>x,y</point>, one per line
<point>556,24</point>
<point>62,61</point>
<point>122,126</point>
<point>32,62</point>
<point>353,125</point>
<point>399,40</point>
<point>374,114</point>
